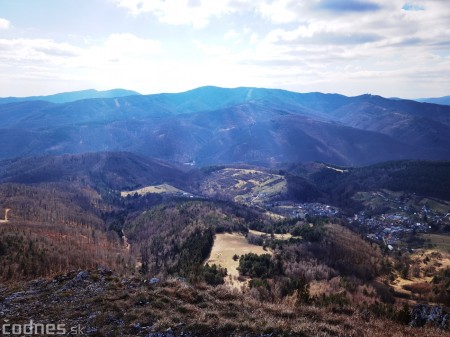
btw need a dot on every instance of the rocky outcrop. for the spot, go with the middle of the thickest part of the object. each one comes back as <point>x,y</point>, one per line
<point>423,314</point>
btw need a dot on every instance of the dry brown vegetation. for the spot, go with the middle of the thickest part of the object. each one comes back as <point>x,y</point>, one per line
<point>54,229</point>
<point>105,304</point>
<point>276,236</point>
<point>52,203</point>
<point>417,276</point>
<point>178,237</point>
<point>159,189</point>
<point>323,282</point>
<point>31,250</point>
<point>341,252</point>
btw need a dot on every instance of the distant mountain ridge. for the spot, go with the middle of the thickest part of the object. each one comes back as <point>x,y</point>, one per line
<point>445,100</point>
<point>212,125</point>
<point>72,96</point>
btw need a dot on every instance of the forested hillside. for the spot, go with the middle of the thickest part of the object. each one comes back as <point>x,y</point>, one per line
<point>67,213</point>
<point>211,125</point>
<point>337,185</point>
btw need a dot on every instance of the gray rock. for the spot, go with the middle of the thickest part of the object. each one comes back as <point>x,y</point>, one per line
<point>424,314</point>
<point>154,280</point>
<point>82,275</point>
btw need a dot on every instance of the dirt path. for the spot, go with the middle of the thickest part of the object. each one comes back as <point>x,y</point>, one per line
<point>125,241</point>
<point>6,216</point>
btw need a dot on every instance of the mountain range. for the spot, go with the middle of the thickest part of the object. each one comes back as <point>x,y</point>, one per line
<point>72,96</point>
<point>120,205</point>
<point>212,125</point>
<point>445,100</point>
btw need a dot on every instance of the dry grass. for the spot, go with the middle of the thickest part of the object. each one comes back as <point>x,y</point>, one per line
<point>286,236</point>
<point>160,189</point>
<point>225,246</point>
<point>135,308</point>
<point>422,261</point>
<point>440,242</point>
<point>441,206</point>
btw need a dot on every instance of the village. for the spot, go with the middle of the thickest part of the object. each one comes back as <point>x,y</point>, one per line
<point>389,229</point>
<point>290,209</point>
<point>398,221</point>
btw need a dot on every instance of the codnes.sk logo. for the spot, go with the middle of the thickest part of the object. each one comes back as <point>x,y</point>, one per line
<point>38,329</point>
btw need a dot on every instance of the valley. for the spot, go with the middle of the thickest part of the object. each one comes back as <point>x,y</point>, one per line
<point>181,213</point>
<point>231,168</point>
<point>270,235</point>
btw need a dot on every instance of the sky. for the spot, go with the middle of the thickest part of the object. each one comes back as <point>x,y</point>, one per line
<point>393,48</point>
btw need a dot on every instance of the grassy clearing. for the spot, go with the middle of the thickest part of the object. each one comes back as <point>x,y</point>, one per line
<point>426,264</point>
<point>225,246</point>
<point>237,172</point>
<point>397,200</point>
<point>160,189</point>
<point>274,215</point>
<point>440,206</point>
<point>286,236</point>
<point>439,242</point>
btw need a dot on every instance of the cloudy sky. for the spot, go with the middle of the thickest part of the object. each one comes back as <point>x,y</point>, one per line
<point>393,48</point>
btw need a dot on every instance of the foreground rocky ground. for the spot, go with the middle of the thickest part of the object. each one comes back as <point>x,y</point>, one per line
<point>100,303</point>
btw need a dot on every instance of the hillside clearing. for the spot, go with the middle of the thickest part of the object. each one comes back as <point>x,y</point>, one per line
<point>160,189</point>
<point>226,245</point>
<point>286,236</point>
<point>440,242</point>
<point>427,263</point>
<point>245,186</point>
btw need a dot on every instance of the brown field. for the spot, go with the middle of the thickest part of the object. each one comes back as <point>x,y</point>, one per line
<point>160,189</point>
<point>225,246</point>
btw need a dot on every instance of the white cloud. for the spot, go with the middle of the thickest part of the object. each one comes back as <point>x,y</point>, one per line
<point>4,24</point>
<point>27,51</point>
<point>197,13</point>
<point>123,48</point>
<point>358,49</point>
<point>321,45</point>
<point>119,60</point>
<point>254,38</point>
<point>282,11</point>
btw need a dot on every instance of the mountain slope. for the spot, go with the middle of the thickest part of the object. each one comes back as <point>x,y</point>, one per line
<point>211,125</point>
<point>407,121</point>
<point>71,96</point>
<point>445,100</point>
<point>104,169</point>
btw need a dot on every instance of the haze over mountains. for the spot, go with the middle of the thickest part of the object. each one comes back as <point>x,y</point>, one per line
<point>445,100</point>
<point>72,96</point>
<point>211,125</point>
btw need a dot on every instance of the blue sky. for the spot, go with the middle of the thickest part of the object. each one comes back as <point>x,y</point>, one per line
<point>394,48</point>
